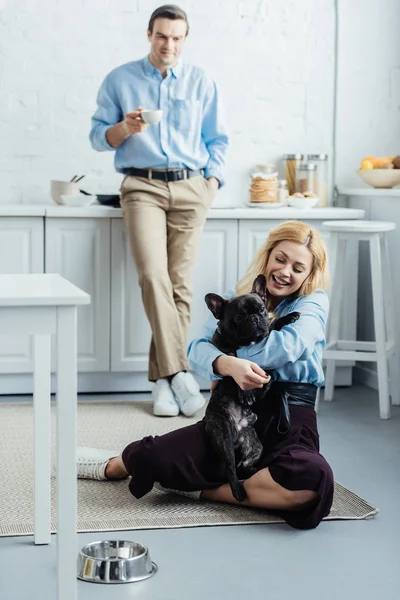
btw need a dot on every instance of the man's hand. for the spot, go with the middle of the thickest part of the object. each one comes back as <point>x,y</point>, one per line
<point>134,121</point>
<point>214,183</point>
<point>248,375</point>
<point>118,133</point>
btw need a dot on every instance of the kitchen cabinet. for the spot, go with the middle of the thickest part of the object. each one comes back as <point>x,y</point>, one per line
<point>79,250</point>
<point>215,271</point>
<point>89,247</point>
<point>21,251</point>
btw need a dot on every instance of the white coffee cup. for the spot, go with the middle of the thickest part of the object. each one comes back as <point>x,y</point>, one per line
<point>151,116</point>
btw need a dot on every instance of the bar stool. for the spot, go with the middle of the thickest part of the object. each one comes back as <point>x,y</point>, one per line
<point>383,349</point>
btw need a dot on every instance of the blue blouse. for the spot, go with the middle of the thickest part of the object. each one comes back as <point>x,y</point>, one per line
<point>293,354</point>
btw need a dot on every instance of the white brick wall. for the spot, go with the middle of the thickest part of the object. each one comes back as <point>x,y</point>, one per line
<point>272,59</point>
<point>368,85</point>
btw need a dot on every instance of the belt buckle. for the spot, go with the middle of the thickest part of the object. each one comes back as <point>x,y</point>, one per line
<point>166,172</point>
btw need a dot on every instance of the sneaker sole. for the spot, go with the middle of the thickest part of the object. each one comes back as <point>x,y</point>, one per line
<point>191,407</point>
<point>163,413</point>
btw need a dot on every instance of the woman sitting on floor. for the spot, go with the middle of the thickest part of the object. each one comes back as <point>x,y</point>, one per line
<point>295,481</point>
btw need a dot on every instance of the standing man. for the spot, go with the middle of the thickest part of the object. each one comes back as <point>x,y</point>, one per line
<point>172,170</point>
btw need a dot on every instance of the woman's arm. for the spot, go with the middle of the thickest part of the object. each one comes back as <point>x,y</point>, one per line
<point>294,342</point>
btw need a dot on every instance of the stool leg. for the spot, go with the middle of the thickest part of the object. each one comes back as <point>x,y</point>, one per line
<point>390,321</point>
<point>380,330</point>
<point>42,438</point>
<point>336,295</point>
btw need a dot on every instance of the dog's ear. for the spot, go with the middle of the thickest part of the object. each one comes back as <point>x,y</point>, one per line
<point>216,304</point>
<point>260,287</point>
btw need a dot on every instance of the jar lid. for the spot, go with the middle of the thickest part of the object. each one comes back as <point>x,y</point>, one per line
<point>317,157</point>
<point>293,156</point>
<point>306,167</point>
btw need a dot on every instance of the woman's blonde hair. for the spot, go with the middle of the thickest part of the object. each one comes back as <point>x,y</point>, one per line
<point>299,233</point>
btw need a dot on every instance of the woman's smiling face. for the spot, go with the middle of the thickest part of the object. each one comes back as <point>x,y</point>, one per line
<point>288,266</point>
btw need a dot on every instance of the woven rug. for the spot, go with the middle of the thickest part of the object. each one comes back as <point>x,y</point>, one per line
<point>109,506</point>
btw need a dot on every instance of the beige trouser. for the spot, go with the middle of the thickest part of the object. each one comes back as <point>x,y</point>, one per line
<point>164,222</point>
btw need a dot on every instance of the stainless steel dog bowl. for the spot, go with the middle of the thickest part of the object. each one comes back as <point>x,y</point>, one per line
<point>115,561</point>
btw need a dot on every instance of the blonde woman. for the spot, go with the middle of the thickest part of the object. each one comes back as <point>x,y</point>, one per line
<point>294,480</point>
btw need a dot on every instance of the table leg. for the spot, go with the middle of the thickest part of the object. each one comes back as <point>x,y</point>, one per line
<point>66,452</point>
<point>42,437</point>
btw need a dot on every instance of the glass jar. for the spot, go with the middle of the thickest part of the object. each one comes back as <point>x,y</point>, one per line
<point>263,184</point>
<point>321,161</point>
<point>282,191</point>
<point>306,178</point>
<point>291,162</point>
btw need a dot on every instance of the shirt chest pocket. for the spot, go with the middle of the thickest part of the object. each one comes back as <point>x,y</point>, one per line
<point>186,114</point>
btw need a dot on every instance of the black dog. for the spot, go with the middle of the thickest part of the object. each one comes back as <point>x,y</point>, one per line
<point>229,419</point>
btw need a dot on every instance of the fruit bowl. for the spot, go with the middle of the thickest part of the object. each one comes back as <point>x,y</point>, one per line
<point>380,178</point>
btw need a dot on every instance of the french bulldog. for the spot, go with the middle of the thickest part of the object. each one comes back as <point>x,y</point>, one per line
<point>229,418</point>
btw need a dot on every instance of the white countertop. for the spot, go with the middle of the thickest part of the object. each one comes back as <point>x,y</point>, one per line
<point>40,290</point>
<point>244,212</point>
<point>22,210</point>
<point>369,191</point>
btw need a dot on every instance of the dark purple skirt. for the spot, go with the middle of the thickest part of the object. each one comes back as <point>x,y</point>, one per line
<point>185,460</point>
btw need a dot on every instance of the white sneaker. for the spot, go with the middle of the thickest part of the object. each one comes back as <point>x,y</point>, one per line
<point>187,393</point>
<point>193,495</point>
<point>164,403</point>
<point>91,463</point>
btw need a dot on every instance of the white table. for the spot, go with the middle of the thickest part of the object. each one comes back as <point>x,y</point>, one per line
<point>43,305</point>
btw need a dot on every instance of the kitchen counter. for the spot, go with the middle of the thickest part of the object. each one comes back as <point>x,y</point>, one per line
<point>89,247</point>
<point>22,210</point>
<point>98,211</point>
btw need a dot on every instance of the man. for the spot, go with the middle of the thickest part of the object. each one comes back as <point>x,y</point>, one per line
<point>172,170</point>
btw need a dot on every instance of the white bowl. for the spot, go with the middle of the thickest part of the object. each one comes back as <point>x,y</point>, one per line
<point>302,202</point>
<point>151,116</point>
<point>57,188</point>
<point>77,200</point>
<point>380,178</point>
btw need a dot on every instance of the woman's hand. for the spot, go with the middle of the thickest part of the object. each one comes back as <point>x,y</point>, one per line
<point>248,375</point>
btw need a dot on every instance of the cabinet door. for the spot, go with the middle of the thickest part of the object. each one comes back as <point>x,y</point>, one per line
<point>21,251</point>
<point>215,271</point>
<point>130,330</point>
<point>252,234</point>
<point>79,250</point>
